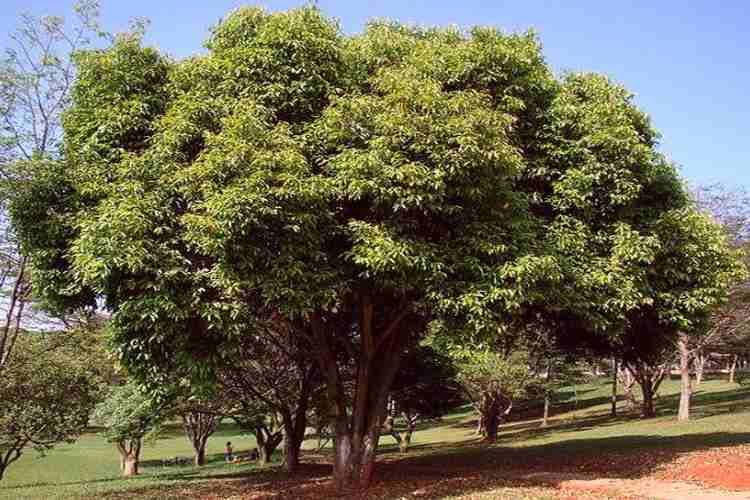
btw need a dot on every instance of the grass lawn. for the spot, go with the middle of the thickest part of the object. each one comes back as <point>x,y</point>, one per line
<point>581,437</point>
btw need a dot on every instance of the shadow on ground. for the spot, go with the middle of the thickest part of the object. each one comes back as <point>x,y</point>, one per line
<point>440,470</point>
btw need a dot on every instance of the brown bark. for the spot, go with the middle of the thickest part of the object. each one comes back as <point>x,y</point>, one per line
<point>10,456</point>
<point>493,407</point>
<point>628,382</point>
<point>403,438</point>
<point>130,452</point>
<point>481,425</point>
<point>15,308</point>
<point>294,429</point>
<point>685,389</point>
<point>649,378</point>
<point>492,419</point>
<point>266,443</point>
<point>356,434</point>
<point>199,425</point>
<point>647,406</point>
<point>130,467</point>
<point>200,455</point>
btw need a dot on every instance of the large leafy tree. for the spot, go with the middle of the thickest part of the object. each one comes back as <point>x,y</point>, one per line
<point>353,188</point>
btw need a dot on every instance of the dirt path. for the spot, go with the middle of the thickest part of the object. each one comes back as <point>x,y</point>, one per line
<point>636,488</point>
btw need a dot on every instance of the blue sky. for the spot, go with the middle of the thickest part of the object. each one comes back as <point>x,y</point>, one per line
<point>686,61</point>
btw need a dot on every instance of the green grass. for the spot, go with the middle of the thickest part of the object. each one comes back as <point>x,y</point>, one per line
<point>580,425</point>
<point>90,466</point>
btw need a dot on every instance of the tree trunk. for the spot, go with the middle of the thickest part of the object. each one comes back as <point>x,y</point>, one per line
<point>200,454</point>
<point>700,363</point>
<point>732,369</point>
<point>266,443</point>
<point>548,379</point>
<point>377,358</point>
<point>647,407</point>
<point>403,446</point>
<point>490,415</point>
<point>294,434</point>
<point>263,458</point>
<point>199,426</point>
<point>685,389</point>
<point>613,411</point>
<point>130,452</point>
<point>411,426</point>
<point>481,425</point>
<point>295,426</point>
<point>130,467</point>
<point>11,455</point>
<point>628,381</point>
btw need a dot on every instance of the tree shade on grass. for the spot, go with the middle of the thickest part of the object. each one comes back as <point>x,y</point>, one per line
<point>354,189</point>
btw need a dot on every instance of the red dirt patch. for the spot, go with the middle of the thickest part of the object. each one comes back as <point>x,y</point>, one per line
<point>726,468</point>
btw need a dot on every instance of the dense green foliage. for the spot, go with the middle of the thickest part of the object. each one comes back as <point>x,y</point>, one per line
<point>47,393</point>
<point>352,189</point>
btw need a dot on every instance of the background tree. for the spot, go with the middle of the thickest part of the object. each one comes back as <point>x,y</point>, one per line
<point>201,409</point>
<point>425,387</point>
<point>47,393</point>
<point>128,415</point>
<point>728,331</point>
<point>273,372</point>
<point>36,76</point>
<point>494,381</point>
<point>255,417</point>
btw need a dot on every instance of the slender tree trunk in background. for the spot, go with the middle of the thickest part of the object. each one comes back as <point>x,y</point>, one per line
<point>732,368</point>
<point>613,411</point>
<point>628,382</point>
<point>294,428</point>
<point>548,379</point>
<point>491,417</point>
<point>492,414</point>
<point>649,378</point>
<point>16,304</point>
<point>9,456</point>
<point>200,454</point>
<point>685,388</point>
<point>199,426</point>
<point>647,408</point>
<point>403,446</point>
<point>402,438</point>
<point>481,423</point>
<point>545,416</point>
<point>266,442</point>
<point>131,467</point>
<point>700,363</point>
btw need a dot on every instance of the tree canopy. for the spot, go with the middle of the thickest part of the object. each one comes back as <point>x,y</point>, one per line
<point>355,188</point>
